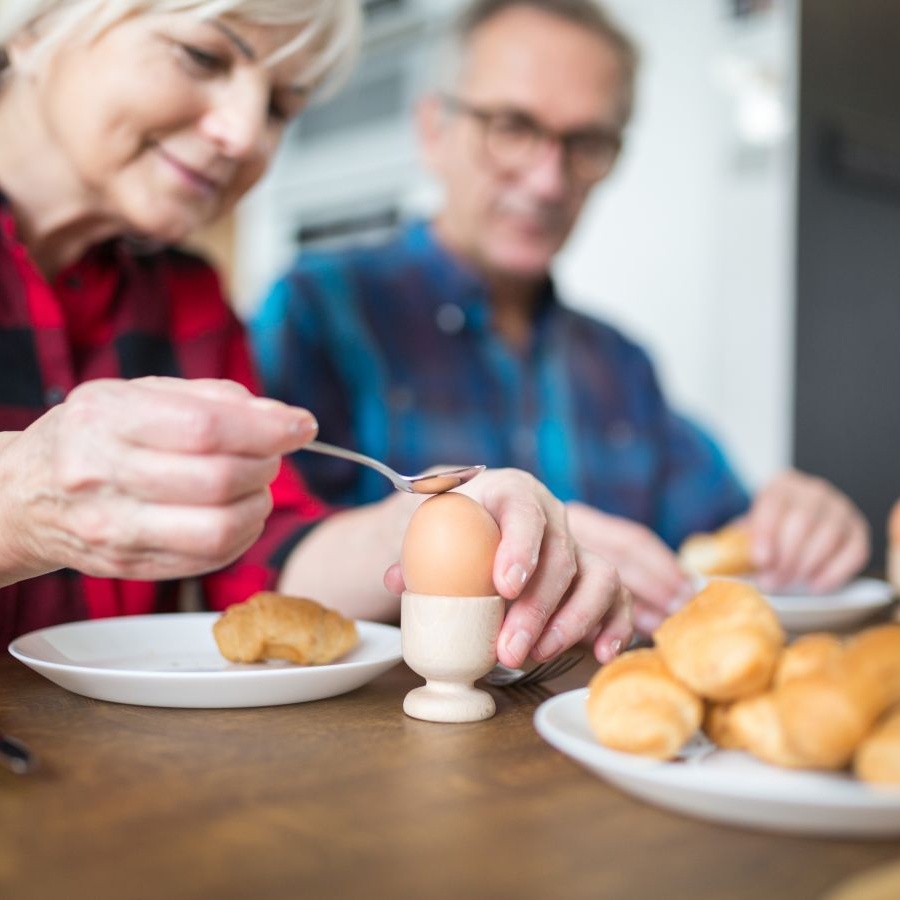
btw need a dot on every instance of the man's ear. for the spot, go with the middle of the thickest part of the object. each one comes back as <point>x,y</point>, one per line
<point>431,127</point>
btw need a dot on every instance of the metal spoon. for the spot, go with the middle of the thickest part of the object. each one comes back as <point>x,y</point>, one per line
<point>434,483</point>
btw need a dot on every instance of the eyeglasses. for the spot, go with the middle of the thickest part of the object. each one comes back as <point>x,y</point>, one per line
<point>514,140</point>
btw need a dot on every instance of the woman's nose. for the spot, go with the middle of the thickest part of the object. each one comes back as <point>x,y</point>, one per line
<point>237,120</point>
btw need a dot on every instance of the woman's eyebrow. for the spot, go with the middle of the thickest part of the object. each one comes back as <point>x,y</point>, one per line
<point>245,49</point>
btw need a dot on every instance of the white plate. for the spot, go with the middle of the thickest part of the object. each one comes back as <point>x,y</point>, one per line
<point>172,660</point>
<point>844,608</point>
<point>726,786</point>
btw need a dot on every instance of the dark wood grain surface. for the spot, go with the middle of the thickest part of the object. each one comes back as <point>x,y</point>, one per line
<point>347,797</point>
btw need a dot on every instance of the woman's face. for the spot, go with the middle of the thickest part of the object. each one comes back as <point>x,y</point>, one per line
<point>165,121</point>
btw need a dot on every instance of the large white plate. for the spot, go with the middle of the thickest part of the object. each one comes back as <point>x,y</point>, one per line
<point>172,660</point>
<point>726,786</point>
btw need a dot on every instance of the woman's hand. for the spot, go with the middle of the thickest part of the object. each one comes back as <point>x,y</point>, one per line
<point>152,478</point>
<point>559,592</point>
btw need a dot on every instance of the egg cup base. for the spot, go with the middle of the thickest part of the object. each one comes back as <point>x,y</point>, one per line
<point>439,701</point>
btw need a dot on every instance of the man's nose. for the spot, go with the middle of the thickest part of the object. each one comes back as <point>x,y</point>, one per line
<point>548,175</point>
<point>237,120</point>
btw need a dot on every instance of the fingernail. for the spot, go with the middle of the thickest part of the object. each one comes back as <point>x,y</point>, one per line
<point>516,575</point>
<point>608,654</point>
<point>551,644</point>
<point>304,425</point>
<point>519,645</point>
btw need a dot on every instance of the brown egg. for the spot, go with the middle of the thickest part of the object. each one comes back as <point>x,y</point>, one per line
<point>449,548</point>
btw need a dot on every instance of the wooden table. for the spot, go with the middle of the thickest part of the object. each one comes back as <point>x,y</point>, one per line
<point>349,798</point>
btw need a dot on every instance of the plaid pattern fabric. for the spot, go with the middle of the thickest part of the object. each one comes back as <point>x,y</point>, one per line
<point>124,314</point>
<point>391,348</point>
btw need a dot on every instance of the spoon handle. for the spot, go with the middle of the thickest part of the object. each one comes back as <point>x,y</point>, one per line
<point>330,450</point>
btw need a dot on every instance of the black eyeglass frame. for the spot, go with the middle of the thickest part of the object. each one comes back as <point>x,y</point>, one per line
<point>590,169</point>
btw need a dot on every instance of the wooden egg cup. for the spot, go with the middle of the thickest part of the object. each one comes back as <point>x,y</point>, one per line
<point>450,642</point>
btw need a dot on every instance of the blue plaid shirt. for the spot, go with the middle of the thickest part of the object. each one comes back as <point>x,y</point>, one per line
<point>391,348</point>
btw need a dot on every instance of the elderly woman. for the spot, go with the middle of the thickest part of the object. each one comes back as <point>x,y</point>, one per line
<point>134,451</point>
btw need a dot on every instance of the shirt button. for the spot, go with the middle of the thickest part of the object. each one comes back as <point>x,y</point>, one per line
<point>401,399</point>
<point>54,394</point>
<point>73,283</point>
<point>450,318</point>
<point>620,434</point>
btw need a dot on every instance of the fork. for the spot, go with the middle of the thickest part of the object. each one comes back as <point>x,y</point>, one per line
<point>430,483</point>
<point>503,676</point>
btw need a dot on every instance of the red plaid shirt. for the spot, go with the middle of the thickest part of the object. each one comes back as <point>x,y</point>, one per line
<point>123,314</point>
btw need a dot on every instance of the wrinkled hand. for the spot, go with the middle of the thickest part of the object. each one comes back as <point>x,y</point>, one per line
<point>560,592</point>
<point>152,478</point>
<point>647,566</point>
<point>805,531</point>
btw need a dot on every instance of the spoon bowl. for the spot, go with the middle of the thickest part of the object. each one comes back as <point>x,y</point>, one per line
<point>429,483</point>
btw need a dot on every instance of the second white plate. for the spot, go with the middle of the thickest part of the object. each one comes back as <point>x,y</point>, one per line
<point>172,660</point>
<point>844,608</point>
<point>726,786</point>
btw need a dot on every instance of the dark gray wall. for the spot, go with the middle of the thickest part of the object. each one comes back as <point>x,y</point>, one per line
<point>847,410</point>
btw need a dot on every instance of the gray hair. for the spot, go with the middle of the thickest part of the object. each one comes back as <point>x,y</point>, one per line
<point>587,14</point>
<point>331,27</point>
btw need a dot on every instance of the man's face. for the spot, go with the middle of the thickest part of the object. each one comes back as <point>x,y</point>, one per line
<point>512,219</point>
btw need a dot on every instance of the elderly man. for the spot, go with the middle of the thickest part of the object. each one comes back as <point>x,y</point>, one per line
<point>450,343</point>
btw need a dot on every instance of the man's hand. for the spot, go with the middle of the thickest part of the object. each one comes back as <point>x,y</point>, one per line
<point>805,531</point>
<point>647,567</point>
<point>150,479</point>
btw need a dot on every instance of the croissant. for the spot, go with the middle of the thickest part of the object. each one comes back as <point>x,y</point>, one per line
<point>275,626</point>
<point>753,724</point>
<point>878,756</point>
<point>809,654</point>
<point>637,706</point>
<point>724,644</point>
<point>723,552</point>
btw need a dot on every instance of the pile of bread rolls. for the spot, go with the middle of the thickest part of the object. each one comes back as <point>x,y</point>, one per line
<point>721,663</point>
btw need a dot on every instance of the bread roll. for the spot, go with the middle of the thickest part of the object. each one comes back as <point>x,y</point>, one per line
<point>724,644</point>
<point>825,715</point>
<point>754,725</point>
<point>875,652</point>
<point>637,706</point>
<point>724,552</point>
<point>828,695</point>
<point>807,655</point>
<point>275,626</point>
<point>878,757</point>
<point>717,726</point>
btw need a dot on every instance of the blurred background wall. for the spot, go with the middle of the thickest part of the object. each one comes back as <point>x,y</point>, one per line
<point>692,246</point>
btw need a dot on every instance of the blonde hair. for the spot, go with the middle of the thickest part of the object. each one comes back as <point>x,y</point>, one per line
<point>331,28</point>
